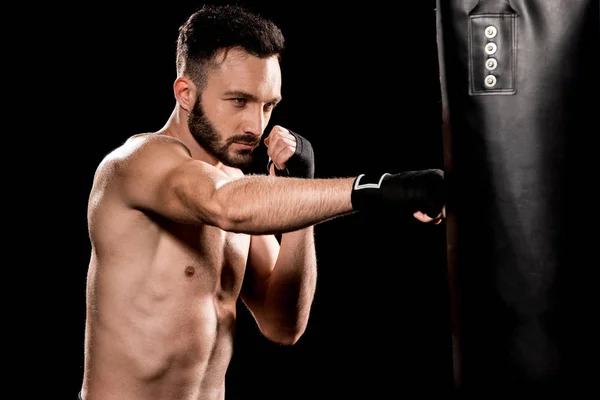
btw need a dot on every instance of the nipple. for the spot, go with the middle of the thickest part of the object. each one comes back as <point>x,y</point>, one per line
<point>189,271</point>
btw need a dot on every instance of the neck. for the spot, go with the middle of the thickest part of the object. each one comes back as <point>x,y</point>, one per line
<point>177,127</point>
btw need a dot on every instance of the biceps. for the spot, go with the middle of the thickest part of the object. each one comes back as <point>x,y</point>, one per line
<point>180,191</point>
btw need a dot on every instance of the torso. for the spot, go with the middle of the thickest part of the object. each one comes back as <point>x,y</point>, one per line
<point>161,304</point>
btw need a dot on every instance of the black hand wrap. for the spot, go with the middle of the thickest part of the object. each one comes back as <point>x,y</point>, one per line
<point>409,191</point>
<point>301,164</point>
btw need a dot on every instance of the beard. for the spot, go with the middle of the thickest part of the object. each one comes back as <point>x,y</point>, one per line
<point>212,141</point>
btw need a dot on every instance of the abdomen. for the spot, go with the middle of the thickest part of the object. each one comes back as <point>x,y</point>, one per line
<point>158,333</point>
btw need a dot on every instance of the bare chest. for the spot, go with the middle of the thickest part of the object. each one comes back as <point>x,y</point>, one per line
<point>214,258</point>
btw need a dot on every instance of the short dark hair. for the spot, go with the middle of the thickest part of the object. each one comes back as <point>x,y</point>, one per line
<point>221,27</point>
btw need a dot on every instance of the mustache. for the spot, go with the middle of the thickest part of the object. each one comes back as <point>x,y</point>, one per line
<point>245,139</point>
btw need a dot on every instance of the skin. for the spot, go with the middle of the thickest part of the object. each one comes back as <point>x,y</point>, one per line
<point>178,236</point>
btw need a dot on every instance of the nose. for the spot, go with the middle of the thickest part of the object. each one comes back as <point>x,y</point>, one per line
<point>255,121</point>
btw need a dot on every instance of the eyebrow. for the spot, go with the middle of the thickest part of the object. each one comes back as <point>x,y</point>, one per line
<point>246,95</point>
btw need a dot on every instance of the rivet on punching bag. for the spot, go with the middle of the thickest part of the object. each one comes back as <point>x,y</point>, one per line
<point>519,83</point>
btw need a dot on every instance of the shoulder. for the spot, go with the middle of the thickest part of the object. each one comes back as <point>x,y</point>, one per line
<point>148,144</point>
<point>143,146</point>
<point>140,150</point>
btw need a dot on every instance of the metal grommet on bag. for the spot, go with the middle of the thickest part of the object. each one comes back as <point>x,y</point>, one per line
<point>491,48</point>
<point>491,32</point>
<point>491,64</point>
<point>490,81</point>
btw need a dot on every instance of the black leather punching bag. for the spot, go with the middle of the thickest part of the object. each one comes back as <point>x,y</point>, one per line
<point>520,87</point>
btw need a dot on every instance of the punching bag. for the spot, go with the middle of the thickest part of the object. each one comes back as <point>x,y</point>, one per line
<point>520,86</point>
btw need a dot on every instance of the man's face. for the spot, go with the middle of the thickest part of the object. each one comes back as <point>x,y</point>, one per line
<point>229,117</point>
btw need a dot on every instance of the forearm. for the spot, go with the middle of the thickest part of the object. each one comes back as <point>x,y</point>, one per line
<point>265,204</point>
<point>292,285</point>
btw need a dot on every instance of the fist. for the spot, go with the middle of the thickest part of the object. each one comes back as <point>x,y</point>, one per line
<point>281,146</point>
<point>421,216</point>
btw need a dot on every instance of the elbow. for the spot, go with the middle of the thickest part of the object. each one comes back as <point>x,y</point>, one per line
<point>227,214</point>
<point>286,336</point>
<point>204,202</point>
<point>221,214</point>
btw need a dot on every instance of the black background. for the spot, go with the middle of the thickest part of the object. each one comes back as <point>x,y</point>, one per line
<point>360,82</point>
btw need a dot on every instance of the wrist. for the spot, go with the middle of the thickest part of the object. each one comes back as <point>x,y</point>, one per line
<point>366,190</point>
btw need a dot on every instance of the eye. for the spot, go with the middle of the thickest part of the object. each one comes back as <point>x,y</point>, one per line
<point>270,106</point>
<point>239,101</point>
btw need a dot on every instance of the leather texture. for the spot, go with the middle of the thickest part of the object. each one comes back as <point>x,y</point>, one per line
<point>520,85</point>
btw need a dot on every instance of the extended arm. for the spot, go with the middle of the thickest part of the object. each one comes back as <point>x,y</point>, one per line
<point>191,191</point>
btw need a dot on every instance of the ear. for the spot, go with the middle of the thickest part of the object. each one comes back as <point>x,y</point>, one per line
<point>185,92</point>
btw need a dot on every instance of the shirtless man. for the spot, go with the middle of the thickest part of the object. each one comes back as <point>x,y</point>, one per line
<point>178,232</point>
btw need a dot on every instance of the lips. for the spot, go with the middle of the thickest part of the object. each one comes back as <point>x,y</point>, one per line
<point>244,146</point>
<point>251,144</point>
